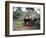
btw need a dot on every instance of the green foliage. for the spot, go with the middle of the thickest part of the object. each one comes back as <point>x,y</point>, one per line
<point>36,22</point>
<point>18,12</point>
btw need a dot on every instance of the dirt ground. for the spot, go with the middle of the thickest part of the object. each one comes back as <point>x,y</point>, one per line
<point>23,27</point>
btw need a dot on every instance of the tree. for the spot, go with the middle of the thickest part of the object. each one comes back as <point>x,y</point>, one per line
<point>17,13</point>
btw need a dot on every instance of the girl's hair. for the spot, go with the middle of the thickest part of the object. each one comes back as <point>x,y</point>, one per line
<point>30,8</point>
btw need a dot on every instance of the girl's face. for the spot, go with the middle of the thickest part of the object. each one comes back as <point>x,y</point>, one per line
<point>30,10</point>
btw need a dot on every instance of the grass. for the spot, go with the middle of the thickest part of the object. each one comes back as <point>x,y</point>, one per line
<point>17,22</point>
